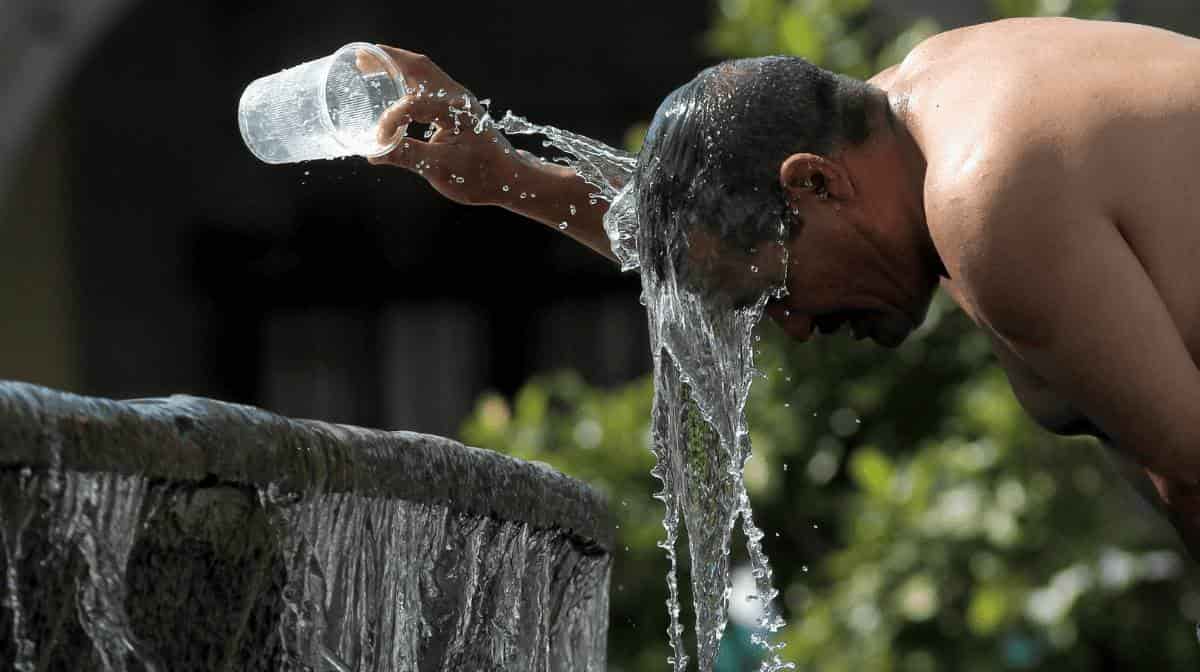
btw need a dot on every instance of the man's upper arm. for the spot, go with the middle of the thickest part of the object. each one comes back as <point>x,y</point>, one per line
<point>1067,293</point>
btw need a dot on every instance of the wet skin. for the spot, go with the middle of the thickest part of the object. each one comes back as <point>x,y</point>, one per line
<point>1039,171</point>
<point>1058,195</point>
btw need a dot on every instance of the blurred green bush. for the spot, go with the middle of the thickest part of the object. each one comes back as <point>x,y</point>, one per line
<point>917,521</point>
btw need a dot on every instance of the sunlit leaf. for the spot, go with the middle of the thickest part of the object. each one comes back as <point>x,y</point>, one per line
<point>799,37</point>
<point>872,471</point>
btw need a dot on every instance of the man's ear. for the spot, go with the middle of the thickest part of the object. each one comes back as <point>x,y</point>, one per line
<point>804,176</point>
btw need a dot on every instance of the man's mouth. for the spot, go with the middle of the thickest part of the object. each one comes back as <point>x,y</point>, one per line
<point>886,328</point>
<point>832,322</point>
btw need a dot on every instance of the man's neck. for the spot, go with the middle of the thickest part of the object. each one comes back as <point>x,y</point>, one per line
<point>910,159</point>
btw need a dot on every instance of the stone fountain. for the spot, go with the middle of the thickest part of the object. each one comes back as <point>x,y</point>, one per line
<point>188,534</point>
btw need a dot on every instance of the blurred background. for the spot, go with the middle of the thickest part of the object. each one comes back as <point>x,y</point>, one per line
<point>916,520</point>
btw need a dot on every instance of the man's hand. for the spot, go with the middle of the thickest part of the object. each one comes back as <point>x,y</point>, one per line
<point>463,158</point>
<point>480,168</point>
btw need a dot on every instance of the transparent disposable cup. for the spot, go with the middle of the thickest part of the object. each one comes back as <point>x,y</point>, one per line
<point>322,109</point>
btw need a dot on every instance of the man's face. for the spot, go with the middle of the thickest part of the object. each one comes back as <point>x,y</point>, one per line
<point>829,281</point>
<point>835,280</point>
<point>734,277</point>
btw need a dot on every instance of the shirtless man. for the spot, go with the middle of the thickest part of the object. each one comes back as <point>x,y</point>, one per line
<point>1040,171</point>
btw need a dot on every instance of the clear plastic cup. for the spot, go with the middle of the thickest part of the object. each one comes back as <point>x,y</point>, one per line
<point>322,109</point>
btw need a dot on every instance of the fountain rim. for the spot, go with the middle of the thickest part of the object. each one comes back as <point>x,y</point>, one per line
<point>195,439</point>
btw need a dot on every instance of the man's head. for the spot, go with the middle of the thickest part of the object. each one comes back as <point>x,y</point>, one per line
<point>760,162</point>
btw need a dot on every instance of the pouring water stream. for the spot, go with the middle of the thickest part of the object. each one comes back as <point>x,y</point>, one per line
<point>703,369</point>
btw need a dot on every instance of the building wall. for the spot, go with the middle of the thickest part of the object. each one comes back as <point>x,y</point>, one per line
<point>38,299</point>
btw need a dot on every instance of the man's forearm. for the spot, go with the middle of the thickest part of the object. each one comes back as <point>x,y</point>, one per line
<point>556,196</point>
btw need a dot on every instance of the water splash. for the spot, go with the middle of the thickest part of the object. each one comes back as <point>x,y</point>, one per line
<point>703,369</point>
<point>15,497</point>
<point>605,168</point>
<point>351,582</point>
<point>351,604</point>
<point>102,523</point>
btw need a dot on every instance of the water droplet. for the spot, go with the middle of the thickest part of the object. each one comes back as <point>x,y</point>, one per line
<point>562,226</point>
<point>459,180</point>
<point>753,268</point>
<point>504,188</point>
<point>573,210</point>
<point>524,195</point>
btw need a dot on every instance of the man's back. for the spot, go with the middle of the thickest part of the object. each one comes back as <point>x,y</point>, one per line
<point>1034,127</point>
<point>1108,112</point>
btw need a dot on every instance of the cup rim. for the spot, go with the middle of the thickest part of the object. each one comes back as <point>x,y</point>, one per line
<point>393,70</point>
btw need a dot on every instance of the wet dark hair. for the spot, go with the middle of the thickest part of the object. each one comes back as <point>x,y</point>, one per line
<point>711,157</point>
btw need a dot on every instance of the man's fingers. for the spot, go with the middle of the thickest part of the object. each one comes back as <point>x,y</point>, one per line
<point>390,124</point>
<point>367,62</point>
<point>414,66</point>
<point>425,109</point>
<point>415,155</point>
<point>420,72</point>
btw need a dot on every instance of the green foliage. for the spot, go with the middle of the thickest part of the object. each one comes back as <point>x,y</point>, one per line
<point>981,544</point>
<point>916,519</point>
<point>1084,9</point>
<point>848,36</point>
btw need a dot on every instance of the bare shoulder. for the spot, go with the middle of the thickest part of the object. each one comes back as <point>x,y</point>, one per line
<point>1003,219</point>
<point>944,44</point>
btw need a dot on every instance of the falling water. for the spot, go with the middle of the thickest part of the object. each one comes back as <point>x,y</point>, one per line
<point>346,581</point>
<point>350,604</point>
<point>703,369</point>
